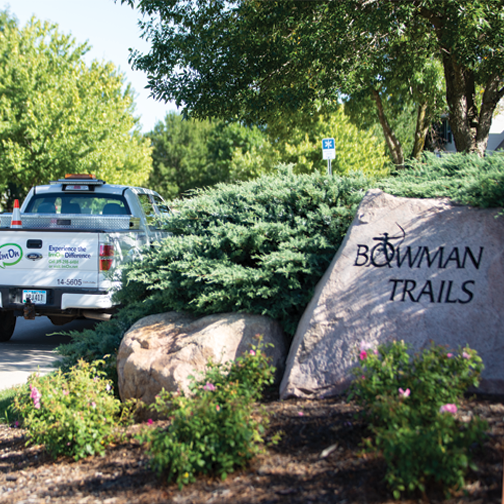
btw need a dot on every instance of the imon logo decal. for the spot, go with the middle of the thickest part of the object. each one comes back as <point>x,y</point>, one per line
<point>10,254</point>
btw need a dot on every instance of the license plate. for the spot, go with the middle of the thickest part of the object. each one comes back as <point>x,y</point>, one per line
<point>36,296</point>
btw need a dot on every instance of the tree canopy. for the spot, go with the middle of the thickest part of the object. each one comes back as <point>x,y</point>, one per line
<point>257,60</point>
<point>356,149</point>
<point>189,153</point>
<point>192,153</point>
<point>58,115</point>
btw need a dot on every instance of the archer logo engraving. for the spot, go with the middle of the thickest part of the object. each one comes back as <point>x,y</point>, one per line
<point>390,252</point>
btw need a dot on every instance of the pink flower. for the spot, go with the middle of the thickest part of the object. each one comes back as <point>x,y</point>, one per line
<point>448,408</point>
<point>300,413</point>
<point>449,355</point>
<point>65,392</point>
<point>404,393</point>
<point>217,407</point>
<point>36,396</point>
<point>16,424</point>
<point>150,421</point>
<point>365,346</point>
<point>466,355</point>
<point>252,352</point>
<point>93,404</point>
<point>363,377</point>
<point>209,386</point>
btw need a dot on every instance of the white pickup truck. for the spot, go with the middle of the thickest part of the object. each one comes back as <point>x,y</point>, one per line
<point>62,262</point>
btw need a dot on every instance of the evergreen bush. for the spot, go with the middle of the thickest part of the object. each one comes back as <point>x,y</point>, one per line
<point>258,247</point>
<point>465,178</point>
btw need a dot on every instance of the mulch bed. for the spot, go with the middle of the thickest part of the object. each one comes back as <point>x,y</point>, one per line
<point>318,460</point>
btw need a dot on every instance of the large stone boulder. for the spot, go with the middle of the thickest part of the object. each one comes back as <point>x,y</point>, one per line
<point>409,269</point>
<point>161,351</point>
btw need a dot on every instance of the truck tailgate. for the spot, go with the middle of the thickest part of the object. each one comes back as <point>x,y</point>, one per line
<point>49,259</point>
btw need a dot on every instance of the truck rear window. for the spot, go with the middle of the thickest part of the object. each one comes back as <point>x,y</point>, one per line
<point>90,204</point>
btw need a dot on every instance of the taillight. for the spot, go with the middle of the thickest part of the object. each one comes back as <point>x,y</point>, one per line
<point>106,257</point>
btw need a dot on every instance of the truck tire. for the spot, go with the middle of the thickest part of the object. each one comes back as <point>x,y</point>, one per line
<point>7,325</point>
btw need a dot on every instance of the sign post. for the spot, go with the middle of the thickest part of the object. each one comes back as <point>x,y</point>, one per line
<point>328,152</point>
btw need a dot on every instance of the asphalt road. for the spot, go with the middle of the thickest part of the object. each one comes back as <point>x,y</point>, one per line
<point>31,348</point>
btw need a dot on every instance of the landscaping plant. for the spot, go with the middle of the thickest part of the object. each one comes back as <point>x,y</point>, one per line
<point>215,428</point>
<point>411,404</point>
<point>258,247</point>
<point>73,414</point>
<point>7,415</point>
<point>466,179</point>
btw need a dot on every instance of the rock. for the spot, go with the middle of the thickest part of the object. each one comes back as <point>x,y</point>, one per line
<point>161,351</point>
<point>409,269</point>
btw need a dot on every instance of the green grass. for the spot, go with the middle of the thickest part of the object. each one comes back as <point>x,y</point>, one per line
<point>7,416</point>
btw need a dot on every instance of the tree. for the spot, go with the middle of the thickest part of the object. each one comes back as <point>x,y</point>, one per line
<point>357,149</point>
<point>405,100</point>
<point>470,38</point>
<point>59,116</point>
<point>179,154</point>
<point>189,154</point>
<point>254,60</point>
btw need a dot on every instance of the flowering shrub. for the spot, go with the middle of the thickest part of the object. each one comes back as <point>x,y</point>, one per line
<point>251,371</point>
<point>72,414</point>
<point>411,403</point>
<point>215,429</point>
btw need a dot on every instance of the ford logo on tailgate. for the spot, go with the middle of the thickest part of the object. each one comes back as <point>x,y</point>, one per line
<point>34,256</point>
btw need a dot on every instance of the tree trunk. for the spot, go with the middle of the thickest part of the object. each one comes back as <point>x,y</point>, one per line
<point>422,127</point>
<point>460,94</point>
<point>491,98</point>
<point>470,129</point>
<point>392,142</point>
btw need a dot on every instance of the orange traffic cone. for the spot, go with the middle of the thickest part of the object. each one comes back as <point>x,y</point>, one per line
<point>16,216</point>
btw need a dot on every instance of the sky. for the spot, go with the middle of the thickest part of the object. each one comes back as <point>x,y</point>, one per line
<point>110,29</point>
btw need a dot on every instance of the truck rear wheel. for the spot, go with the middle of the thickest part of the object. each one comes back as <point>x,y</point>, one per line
<point>7,325</point>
